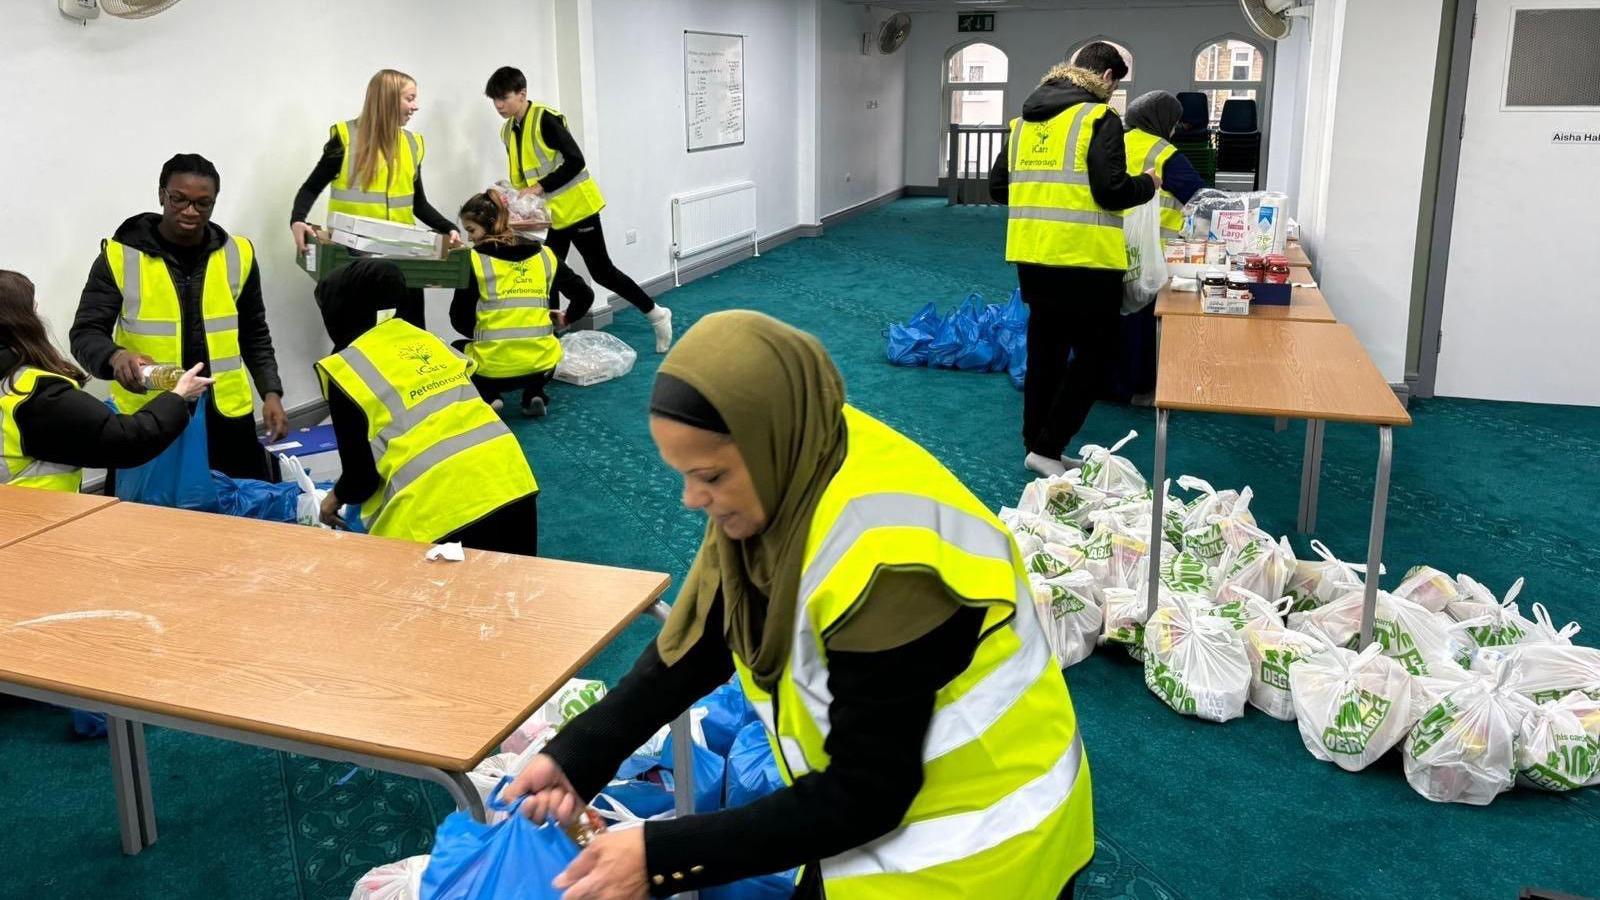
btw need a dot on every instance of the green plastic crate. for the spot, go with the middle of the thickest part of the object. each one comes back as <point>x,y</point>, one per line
<point>454,271</point>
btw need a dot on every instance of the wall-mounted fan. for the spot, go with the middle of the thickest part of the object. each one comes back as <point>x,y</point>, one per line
<point>1271,18</point>
<point>84,10</point>
<point>893,32</point>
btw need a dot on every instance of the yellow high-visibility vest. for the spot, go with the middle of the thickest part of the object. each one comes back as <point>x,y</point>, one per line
<point>514,334</point>
<point>532,159</point>
<point>390,192</point>
<point>444,457</point>
<point>17,468</point>
<point>1145,151</point>
<point>152,319</point>
<point>1052,218</point>
<point>1005,808</point>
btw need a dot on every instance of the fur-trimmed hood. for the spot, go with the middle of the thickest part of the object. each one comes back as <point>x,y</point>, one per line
<point>1064,86</point>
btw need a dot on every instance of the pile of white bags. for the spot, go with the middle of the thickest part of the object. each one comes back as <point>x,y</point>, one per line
<point>1464,747</point>
<point>1196,662</point>
<point>400,880</point>
<point>1352,707</point>
<point>1480,695</point>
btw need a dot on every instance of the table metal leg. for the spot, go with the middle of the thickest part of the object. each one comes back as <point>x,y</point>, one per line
<point>682,745</point>
<point>130,778</point>
<point>1380,508</point>
<point>1310,476</point>
<point>1157,500</point>
<point>463,791</point>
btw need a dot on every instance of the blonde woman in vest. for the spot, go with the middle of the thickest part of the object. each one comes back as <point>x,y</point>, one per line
<point>49,429</point>
<point>175,288</point>
<point>543,158</point>
<point>508,311</point>
<point>879,619</point>
<point>1149,123</point>
<point>423,456</point>
<point>374,165</point>
<point>1061,171</point>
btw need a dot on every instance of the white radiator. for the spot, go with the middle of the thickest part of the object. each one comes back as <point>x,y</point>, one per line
<point>707,219</point>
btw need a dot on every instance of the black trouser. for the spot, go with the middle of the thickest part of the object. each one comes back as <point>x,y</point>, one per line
<point>1072,337</point>
<point>490,389</point>
<point>513,528</point>
<point>589,240</point>
<point>1133,371</point>
<point>530,385</point>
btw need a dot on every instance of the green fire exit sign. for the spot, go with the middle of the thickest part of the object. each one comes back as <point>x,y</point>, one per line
<point>975,22</point>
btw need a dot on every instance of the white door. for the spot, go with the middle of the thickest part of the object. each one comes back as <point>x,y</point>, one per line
<point>1522,294</point>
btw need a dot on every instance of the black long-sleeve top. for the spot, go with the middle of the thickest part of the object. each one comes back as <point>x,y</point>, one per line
<point>327,169</point>
<point>101,304</point>
<point>569,284</point>
<point>553,128</point>
<point>60,424</point>
<point>882,706</point>
<point>1109,182</point>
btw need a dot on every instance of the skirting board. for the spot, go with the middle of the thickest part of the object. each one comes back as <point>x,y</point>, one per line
<point>924,190</point>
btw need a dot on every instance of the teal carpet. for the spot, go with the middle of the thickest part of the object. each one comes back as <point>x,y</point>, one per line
<point>1184,809</point>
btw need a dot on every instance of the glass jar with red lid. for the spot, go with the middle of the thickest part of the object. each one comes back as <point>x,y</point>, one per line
<point>1255,267</point>
<point>1278,269</point>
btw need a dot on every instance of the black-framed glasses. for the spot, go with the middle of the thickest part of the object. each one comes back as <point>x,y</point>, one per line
<point>178,202</point>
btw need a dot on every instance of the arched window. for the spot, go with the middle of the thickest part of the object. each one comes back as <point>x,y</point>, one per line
<point>1230,68</point>
<point>1119,98</point>
<point>974,98</point>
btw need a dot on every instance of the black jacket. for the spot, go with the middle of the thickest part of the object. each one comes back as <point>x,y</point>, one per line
<point>553,128</point>
<point>569,284</point>
<point>327,169</point>
<point>882,705</point>
<point>1109,181</point>
<point>101,305</point>
<point>63,425</point>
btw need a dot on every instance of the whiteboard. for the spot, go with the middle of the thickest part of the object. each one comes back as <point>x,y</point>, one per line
<point>713,89</point>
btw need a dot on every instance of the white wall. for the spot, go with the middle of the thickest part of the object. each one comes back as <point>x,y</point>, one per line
<point>1163,42</point>
<point>1285,144</point>
<point>1372,77</point>
<point>92,112</point>
<point>862,124</point>
<point>639,156</point>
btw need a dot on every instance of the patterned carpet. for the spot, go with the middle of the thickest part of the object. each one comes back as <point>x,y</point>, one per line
<point>1184,809</point>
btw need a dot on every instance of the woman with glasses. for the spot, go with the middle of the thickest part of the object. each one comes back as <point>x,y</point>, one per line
<point>174,288</point>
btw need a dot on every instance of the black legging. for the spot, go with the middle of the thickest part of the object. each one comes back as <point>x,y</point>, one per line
<point>590,242</point>
<point>490,389</point>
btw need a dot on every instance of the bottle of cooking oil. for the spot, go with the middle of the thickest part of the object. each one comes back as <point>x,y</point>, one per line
<point>160,378</point>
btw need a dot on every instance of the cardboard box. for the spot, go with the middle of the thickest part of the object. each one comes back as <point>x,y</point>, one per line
<point>1270,294</point>
<point>380,247</point>
<point>382,229</point>
<point>316,448</point>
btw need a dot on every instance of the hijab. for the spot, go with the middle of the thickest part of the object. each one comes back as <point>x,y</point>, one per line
<point>350,298</point>
<point>782,401</point>
<point>1157,113</point>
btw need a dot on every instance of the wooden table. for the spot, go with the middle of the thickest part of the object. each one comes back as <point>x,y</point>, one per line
<point>1310,370</point>
<point>1297,254</point>
<point>334,645</point>
<point>1306,304</point>
<point>25,512</point>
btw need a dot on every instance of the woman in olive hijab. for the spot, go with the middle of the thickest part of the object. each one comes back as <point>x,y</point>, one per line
<point>751,413</point>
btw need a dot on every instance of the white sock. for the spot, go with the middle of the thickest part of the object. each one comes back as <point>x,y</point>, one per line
<point>1044,465</point>
<point>660,319</point>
